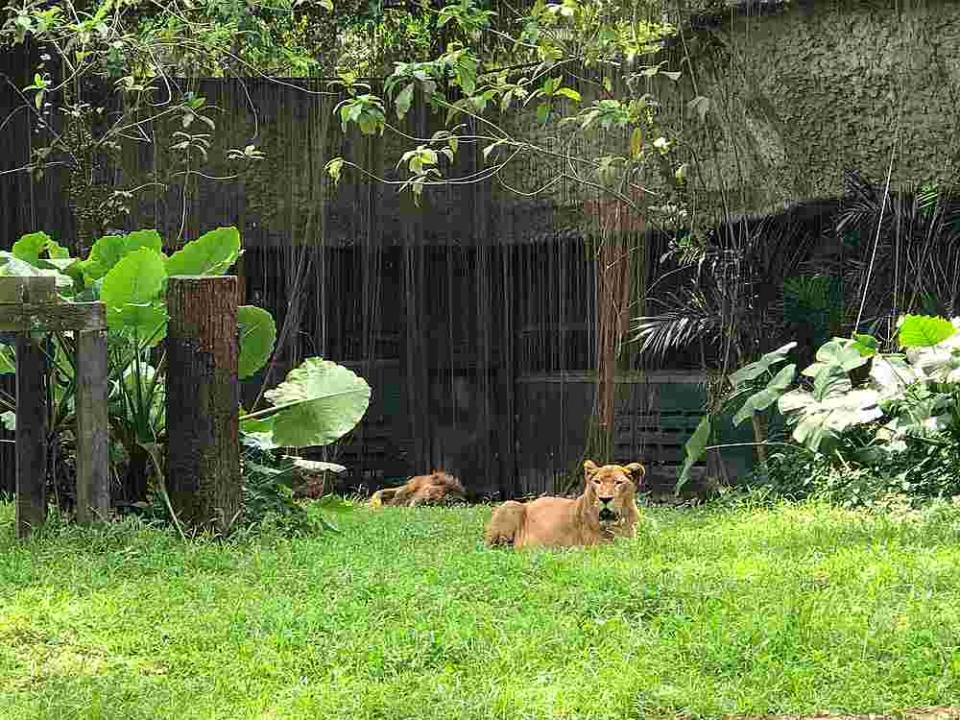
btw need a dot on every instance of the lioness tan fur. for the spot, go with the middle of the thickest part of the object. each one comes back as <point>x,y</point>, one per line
<point>432,489</point>
<point>606,509</point>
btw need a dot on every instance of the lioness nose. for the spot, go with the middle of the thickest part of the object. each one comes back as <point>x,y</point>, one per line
<point>605,500</point>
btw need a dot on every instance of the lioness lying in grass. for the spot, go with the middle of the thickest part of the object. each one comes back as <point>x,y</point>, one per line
<point>436,488</point>
<point>606,509</point>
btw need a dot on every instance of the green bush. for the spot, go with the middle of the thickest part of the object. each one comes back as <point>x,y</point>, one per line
<point>864,425</point>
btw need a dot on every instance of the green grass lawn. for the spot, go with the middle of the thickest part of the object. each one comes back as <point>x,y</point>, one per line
<point>405,615</point>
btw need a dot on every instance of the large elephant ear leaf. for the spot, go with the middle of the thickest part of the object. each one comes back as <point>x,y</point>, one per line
<point>210,254</point>
<point>131,292</point>
<point>319,402</point>
<point>111,249</point>
<point>258,333</point>
<point>29,247</point>
<point>917,331</point>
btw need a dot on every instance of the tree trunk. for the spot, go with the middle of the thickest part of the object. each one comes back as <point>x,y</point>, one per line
<point>612,319</point>
<point>203,454</point>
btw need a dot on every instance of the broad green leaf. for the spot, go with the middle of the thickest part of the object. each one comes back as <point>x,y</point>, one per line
<point>866,345</point>
<point>105,253</point>
<point>829,382</point>
<point>403,101</point>
<point>924,331</point>
<point>111,249</point>
<point>758,368</point>
<point>212,253</point>
<point>841,353</point>
<point>29,247</point>
<point>258,332</point>
<point>258,432</point>
<point>569,93</point>
<point>8,359</point>
<point>131,292</point>
<point>143,238</point>
<point>891,375</point>
<point>770,394</point>
<point>320,402</point>
<point>9,421</point>
<point>11,266</point>
<point>694,449</point>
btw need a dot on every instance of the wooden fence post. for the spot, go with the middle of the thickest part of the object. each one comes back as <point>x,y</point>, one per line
<point>203,454</point>
<point>32,412</point>
<point>93,429</point>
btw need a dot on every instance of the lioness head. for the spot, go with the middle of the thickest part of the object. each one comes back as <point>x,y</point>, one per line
<point>611,488</point>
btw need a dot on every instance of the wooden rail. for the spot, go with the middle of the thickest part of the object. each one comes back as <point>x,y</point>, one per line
<point>29,307</point>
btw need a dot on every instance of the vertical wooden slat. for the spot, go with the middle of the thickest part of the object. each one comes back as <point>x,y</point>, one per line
<point>93,489</point>
<point>31,434</point>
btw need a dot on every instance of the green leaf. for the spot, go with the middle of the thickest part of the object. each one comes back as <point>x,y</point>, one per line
<point>403,101</point>
<point>924,331</point>
<point>334,168</point>
<point>764,364</point>
<point>258,333</point>
<point>9,421</point>
<point>8,360</point>
<point>830,382</point>
<point>694,449</point>
<point>569,93</point>
<point>320,402</point>
<point>142,238</point>
<point>258,432</point>
<point>105,253</point>
<point>866,345</point>
<point>29,247</point>
<point>11,266</point>
<point>110,249</point>
<point>841,353</point>
<point>768,396</point>
<point>212,253</point>
<point>131,292</point>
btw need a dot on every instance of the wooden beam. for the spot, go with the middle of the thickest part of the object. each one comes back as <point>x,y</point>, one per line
<point>93,432</point>
<point>35,289</point>
<point>31,434</point>
<point>203,454</point>
<point>55,317</point>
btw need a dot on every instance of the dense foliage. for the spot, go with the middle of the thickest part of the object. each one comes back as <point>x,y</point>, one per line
<point>863,424</point>
<point>316,404</point>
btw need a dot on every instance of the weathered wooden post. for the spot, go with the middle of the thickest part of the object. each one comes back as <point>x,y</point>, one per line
<point>93,426</point>
<point>32,413</point>
<point>29,307</point>
<point>203,401</point>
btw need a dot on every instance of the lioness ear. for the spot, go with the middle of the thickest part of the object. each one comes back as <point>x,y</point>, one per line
<point>589,469</point>
<point>637,471</point>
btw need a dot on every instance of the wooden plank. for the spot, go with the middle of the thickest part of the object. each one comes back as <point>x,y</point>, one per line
<point>31,434</point>
<point>35,289</point>
<point>203,455</point>
<point>55,317</point>
<point>93,488</point>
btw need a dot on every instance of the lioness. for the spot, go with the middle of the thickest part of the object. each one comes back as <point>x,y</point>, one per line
<point>432,489</point>
<point>606,509</point>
